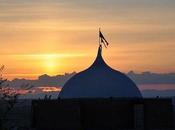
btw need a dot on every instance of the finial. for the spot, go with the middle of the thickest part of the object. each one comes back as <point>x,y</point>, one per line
<point>100,49</point>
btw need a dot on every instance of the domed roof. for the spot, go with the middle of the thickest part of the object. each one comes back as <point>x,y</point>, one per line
<point>99,81</point>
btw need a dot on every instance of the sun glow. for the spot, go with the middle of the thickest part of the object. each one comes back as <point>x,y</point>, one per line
<point>50,89</point>
<point>50,63</point>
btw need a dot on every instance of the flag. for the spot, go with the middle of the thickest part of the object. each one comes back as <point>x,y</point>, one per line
<point>103,40</point>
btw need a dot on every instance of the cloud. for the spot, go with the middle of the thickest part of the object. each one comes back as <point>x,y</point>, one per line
<point>136,30</point>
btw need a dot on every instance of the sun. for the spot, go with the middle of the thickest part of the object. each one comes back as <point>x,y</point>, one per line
<point>50,63</point>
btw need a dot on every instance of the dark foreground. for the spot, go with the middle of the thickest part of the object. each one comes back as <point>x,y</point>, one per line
<point>103,114</point>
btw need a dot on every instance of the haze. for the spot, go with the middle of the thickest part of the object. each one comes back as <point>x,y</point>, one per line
<point>57,36</point>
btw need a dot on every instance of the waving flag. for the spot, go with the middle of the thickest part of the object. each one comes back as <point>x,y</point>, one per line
<point>103,40</point>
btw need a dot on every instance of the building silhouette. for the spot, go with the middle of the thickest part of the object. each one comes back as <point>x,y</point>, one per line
<point>100,81</point>
<point>101,98</point>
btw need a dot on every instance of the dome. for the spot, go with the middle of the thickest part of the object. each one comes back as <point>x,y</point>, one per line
<point>99,81</point>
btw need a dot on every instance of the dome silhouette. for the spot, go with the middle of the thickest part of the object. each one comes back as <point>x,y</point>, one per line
<point>100,81</point>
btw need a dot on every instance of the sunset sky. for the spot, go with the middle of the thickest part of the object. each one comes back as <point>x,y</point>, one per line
<point>58,36</point>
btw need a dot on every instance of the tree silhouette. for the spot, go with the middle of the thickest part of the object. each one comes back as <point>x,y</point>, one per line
<point>8,98</point>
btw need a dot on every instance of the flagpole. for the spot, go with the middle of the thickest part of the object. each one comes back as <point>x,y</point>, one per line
<point>99,36</point>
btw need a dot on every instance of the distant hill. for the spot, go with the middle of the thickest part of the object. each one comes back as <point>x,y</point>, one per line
<point>159,93</point>
<point>60,80</point>
<point>43,80</point>
<point>145,93</point>
<point>152,78</point>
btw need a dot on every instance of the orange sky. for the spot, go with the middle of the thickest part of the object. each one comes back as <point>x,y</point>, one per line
<point>56,36</point>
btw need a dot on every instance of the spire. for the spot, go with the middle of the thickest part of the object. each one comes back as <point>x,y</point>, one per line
<point>99,59</point>
<point>99,50</point>
<point>99,62</point>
